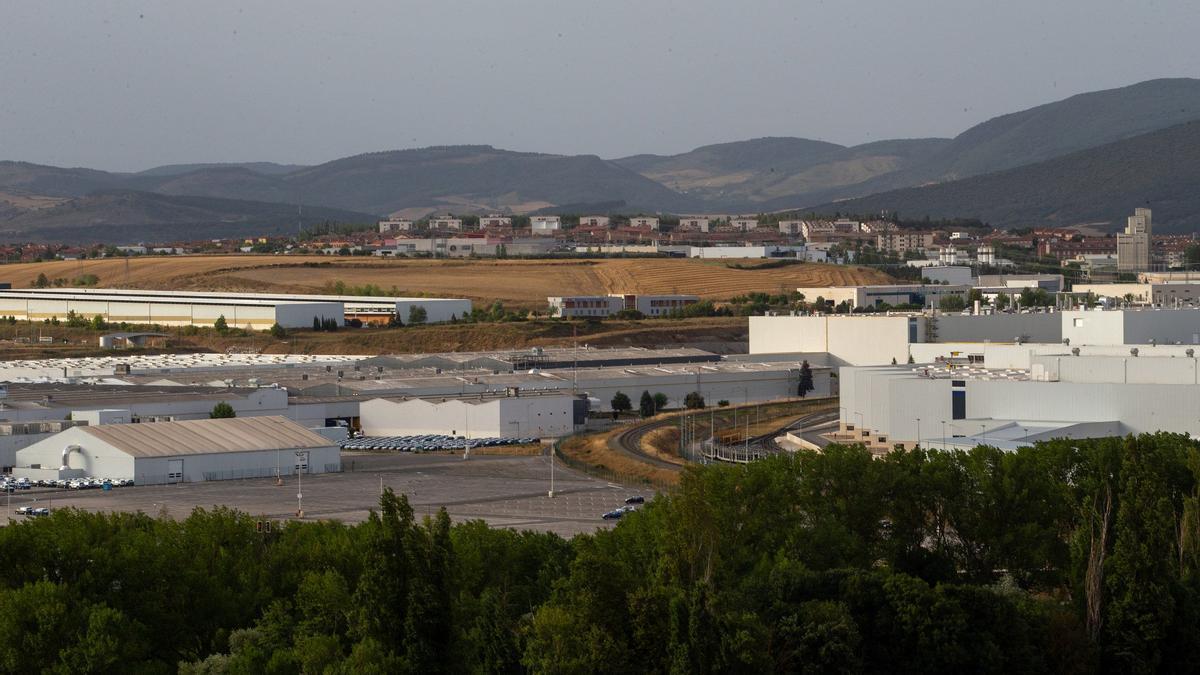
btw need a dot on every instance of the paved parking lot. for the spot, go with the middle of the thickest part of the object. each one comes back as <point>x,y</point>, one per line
<point>504,491</point>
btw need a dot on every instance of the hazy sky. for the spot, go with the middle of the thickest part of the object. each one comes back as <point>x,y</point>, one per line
<point>122,85</point>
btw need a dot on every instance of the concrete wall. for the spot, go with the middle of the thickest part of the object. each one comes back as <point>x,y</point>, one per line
<point>235,465</point>
<point>1115,369</point>
<point>1132,327</point>
<point>510,417</point>
<point>1036,327</point>
<point>850,340</point>
<point>889,402</point>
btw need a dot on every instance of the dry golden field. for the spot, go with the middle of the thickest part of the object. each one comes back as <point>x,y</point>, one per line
<point>523,283</point>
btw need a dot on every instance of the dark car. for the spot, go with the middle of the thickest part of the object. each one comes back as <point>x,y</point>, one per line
<point>636,499</point>
<point>614,514</point>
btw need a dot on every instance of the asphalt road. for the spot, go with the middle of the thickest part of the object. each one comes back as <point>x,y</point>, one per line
<point>503,491</point>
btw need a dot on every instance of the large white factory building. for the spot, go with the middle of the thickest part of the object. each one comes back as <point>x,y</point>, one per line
<point>252,311</point>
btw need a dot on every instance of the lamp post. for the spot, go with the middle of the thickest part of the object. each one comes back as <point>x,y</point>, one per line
<point>301,464</point>
<point>943,434</point>
<point>918,432</point>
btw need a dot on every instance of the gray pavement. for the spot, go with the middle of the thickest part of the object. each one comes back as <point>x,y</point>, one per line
<point>503,491</point>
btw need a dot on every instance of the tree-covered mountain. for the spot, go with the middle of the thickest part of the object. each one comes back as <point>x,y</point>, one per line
<point>764,174</point>
<point>743,174</point>
<point>478,177</point>
<point>1099,185</point>
<point>123,216</point>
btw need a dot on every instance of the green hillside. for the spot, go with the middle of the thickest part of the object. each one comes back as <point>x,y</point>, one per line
<point>1099,185</point>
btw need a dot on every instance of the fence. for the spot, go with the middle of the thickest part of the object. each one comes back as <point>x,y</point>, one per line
<point>618,477</point>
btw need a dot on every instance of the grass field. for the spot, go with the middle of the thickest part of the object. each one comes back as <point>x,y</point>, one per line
<point>518,283</point>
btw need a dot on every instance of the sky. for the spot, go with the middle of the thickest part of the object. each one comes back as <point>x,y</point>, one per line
<point>130,85</point>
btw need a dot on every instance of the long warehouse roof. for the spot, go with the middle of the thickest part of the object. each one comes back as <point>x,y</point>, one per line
<point>220,295</point>
<point>204,437</point>
<point>98,295</point>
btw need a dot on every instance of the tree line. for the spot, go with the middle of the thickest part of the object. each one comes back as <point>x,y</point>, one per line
<point>1072,556</point>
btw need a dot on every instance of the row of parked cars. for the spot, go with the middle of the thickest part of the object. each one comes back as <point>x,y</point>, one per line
<point>33,511</point>
<point>9,484</point>
<point>630,506</point>
<point>428,442</point>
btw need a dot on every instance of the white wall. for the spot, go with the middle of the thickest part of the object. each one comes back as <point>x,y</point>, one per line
<point>890,401</point>
<point>850,340</point>
<point>509,417</point>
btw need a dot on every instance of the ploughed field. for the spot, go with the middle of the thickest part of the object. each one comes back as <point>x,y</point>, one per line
<point>516,283</point>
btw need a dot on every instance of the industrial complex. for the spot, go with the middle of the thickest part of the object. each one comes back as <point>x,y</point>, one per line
<point>252,311</point>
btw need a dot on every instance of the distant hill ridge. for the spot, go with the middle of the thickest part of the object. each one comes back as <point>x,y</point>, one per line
<point>762,174</point>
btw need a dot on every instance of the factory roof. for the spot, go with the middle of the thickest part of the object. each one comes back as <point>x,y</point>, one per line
<point>164,297</point>
<point>219,297</point>
<point>203,437</point>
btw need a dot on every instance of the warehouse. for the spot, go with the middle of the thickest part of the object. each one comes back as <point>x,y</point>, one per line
<point>737,382</point>
<point>164,308</point>
<point>510,415</point>
<point>1061,396</point>
<point>367,309</point>
<point>180,452</point>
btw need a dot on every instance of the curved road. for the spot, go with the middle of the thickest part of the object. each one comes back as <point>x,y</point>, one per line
<point>629,441</point>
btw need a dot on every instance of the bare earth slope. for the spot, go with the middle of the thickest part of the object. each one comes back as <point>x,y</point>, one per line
<point>519,283</point>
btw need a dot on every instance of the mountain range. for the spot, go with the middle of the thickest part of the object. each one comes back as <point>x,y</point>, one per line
<point>1089,158</point>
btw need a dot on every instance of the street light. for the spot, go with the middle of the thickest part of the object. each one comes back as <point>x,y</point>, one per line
<point>300,466</point>
<point>918,432</point>
<point>943,434</point>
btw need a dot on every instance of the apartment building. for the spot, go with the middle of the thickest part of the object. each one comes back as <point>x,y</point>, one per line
<point>593,221</point>
<point>693,224</point>
<point>1133,245</point>
<point>395,225</point>
<point>595,306</point>
<point>644,222</point>
<point>445,223</point>
<point>495,220</point>
<point>903,241</point>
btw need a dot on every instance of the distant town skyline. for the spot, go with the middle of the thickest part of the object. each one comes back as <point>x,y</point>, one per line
<point>127,86</point>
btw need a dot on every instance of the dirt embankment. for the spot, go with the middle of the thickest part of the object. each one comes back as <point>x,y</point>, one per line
<point>515,283</point>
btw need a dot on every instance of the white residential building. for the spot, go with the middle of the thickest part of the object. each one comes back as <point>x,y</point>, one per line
<point>545,224</point>
<point>644,222</point>
<point>495,220</point>
<point>395,225</point>
<point>593,221</point>
<point>445,223</point>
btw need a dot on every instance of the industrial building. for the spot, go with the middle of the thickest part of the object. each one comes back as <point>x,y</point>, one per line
<point>163,308</point>
<point>598,306</point>
<point>509,414</point>
<point>253,311</point>
<point>1061,395</point>
<point>921,295</point>
<point>180,452</point>
<point>879,339</point>
<point>1163,294</point>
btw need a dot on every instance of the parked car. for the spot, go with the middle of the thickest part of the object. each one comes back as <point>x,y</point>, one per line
<point>636,499</point>
<point>614,514</point>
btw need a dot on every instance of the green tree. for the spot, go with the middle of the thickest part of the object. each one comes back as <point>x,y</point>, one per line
<point>220,324</point>
<point>416,315</point>
<point>222,410</point>
<point>98,323</point>
<point>1141,579</point>
<point>620,403</point>
<point>806,379</point>
<point>660,401</point>
<point>952,303</point>
<point>278,331</point>
<point>646,405</point>
<point>693,401</point>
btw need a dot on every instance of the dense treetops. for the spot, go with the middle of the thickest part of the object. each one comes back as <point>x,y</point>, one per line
<point>1073,556</point>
